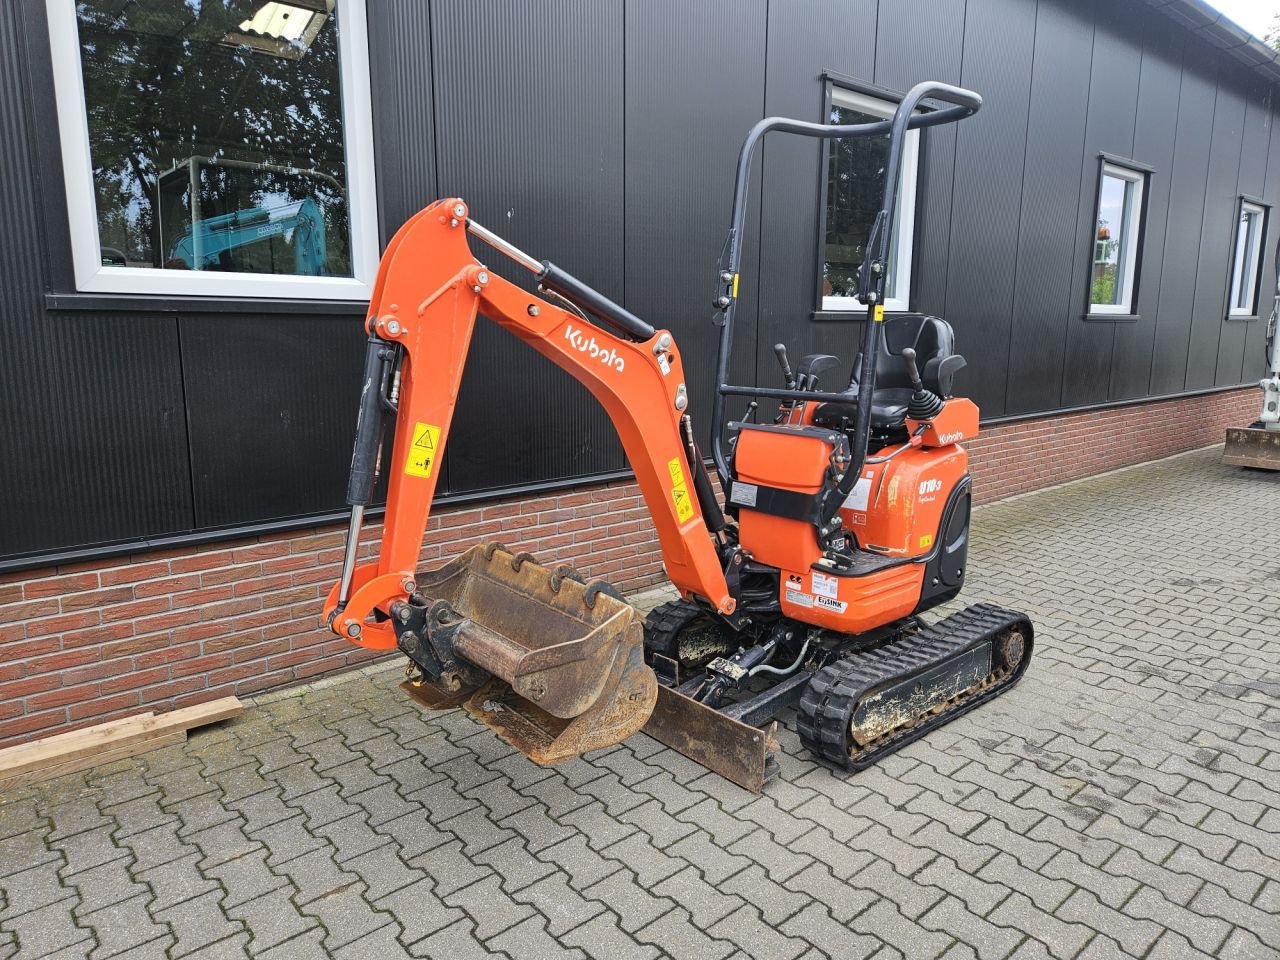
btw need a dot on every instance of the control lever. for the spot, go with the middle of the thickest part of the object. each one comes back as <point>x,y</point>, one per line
<point>913,372</point>
<point>780,350</point>
<point>924,404</point>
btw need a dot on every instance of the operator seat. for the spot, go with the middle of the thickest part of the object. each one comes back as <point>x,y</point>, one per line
<point>934,343</point>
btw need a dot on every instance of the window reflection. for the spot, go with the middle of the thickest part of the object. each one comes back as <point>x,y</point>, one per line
<point>216,134</point>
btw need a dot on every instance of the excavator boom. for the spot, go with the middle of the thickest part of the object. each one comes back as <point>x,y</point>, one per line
<point>554,665</point>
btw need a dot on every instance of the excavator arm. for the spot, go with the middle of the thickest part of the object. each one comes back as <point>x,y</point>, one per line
<point>487,615</point>
<point>429,291</point>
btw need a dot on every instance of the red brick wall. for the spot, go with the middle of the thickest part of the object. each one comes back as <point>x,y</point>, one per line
<point>84,643</point>
<point>1016,457</point>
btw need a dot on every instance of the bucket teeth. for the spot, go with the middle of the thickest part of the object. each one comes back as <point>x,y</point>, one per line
<point>556,668</point>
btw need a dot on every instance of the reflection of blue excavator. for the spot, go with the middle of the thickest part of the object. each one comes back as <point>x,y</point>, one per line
<point>300,222</point>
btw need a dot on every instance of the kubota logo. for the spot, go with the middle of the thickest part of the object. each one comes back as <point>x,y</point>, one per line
<point>587,344</point>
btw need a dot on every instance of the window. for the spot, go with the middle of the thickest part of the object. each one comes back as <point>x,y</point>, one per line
<point>854,189</point>
<point>217,147</point>
<point>1115,246</point>
<point>1246,261</point>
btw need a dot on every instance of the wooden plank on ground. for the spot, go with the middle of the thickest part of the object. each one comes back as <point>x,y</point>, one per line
<point>118,751</point>
<point>79,749</point>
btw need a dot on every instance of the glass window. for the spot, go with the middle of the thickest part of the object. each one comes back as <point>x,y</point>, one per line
<point>1246,260</point>
<point>223,149</point>
<point>854,189</point>
<point>1115,247</point>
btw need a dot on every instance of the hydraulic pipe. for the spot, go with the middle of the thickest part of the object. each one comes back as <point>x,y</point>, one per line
<point>565,284</point>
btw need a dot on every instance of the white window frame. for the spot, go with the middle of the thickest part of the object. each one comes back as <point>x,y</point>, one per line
<point>1254,257</point>
<point>1130,233</point>
<point>73,127</point>
<point>899,270</point>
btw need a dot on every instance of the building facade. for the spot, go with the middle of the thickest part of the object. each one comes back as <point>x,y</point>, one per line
<point>197,194</point>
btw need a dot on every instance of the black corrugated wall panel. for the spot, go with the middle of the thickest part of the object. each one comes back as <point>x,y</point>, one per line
<point>92,429</point>
<point>999,38</point>
<point>1113,102</point>
<point>906,55</point>
<point>529,128</point>
<point>1182,234</point>
<point>602,134</point>
<point>94,437</point>
<point>403,122</point>
<point>1255,345</point>
<point>271,408</point>
<point>1047,290</point>
<point>1250,181</point>
<point>1159,88</point>
<point>1217,232</point>
<point>805,37</point>
<point>694,87</point>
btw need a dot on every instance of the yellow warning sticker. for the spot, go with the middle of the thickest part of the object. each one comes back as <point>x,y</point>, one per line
<point>423,451</point>
<point>879,313</point>
<point>735,287</point>
<point>680,490</point>
<point>926,541</point>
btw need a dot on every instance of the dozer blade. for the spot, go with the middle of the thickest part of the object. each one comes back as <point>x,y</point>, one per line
<point>556,668</point>
<point>1252,447</point>
<point>738,752</point>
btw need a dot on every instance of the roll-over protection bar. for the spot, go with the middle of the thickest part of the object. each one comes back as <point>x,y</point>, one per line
<point>871,275</point>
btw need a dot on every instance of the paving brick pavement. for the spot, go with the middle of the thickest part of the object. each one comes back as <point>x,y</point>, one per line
<point>1123,800</point>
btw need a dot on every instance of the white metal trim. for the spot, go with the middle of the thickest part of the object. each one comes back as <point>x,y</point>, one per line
<point>82,215</point>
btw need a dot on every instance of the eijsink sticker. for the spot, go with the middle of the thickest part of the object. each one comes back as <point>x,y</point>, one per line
<point>837,606</point>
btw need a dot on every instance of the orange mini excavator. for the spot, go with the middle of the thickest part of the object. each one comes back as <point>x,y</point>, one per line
<point>846,516</point>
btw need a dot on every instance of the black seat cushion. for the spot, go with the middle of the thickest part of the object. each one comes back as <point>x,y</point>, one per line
<point>933,341</point>
<point>888,409</point>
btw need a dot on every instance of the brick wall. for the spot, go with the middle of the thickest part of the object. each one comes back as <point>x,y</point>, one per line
<point>83,643</point>
<point>1016,457</point>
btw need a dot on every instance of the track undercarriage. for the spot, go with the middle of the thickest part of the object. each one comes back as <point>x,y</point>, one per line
<point>858,697</point>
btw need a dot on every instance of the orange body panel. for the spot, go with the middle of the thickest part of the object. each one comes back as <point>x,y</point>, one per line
<point>428,293</point>
<point>895,509</point>
<point>958,420</point>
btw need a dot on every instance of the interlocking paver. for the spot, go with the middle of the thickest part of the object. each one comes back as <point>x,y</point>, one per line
<point>1122,801</point>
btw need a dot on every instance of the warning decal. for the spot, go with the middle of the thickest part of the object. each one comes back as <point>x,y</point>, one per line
<point>423,450</point>
<point>679,490</point>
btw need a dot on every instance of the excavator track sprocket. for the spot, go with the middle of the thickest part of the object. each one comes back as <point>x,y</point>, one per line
<point>858,710</point>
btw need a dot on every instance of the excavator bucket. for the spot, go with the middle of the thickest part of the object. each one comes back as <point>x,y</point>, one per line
<point>1254,447</point>
<point>554,666</point>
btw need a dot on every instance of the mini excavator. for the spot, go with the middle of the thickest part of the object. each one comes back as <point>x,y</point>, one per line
<point>845,518</point>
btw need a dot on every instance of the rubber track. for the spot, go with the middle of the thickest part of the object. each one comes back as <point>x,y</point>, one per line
<point>665,621</point>
<point>833,694</point>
